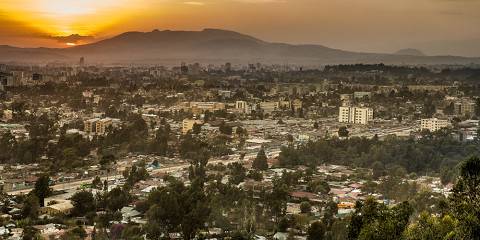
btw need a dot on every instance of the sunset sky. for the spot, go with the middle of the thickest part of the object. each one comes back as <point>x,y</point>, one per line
<point>434,26</point>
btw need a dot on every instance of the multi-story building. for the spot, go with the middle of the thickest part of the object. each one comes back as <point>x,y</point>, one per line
<point>102,125</point>
<point>89,125</point>
<point>187,124</point>
<point>201,107</point>
<point>269,107</point>
<point>242,107</point>
<point>98,126</point>
<point>355,115</point>
<point>465,107</point>
<point>433,124</point>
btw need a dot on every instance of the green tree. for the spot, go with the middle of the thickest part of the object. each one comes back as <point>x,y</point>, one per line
<point>42,189</point>
<point>83,202</point>
<point>316,231</point>
<point>260,162</point>
<point>305,207</point>
<point>31,207</point>
<point>343,132</point>
<point>117,198</point>
<point>431,227</point>
<point>465,198</point>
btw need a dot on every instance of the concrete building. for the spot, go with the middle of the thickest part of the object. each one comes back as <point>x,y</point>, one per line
<point>89,125</point>
<point>102,125</point>
<point>464,107</point>
<point>187,124</point>
<point>269,107</point>
<point>201,107</point>
<point>433,124</point>
<point>355,115</point>
<point>242,107</point>
<point>346,99</point>
<point>97,125</point>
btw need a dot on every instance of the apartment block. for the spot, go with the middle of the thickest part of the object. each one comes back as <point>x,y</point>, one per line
<point>355,115</point>
<point>433,124</point>
<point>187,124</point>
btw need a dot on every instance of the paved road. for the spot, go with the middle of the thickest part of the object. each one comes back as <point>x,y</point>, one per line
<point>77,184</point>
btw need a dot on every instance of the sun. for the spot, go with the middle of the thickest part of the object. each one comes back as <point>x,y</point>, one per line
<point>71,44</point>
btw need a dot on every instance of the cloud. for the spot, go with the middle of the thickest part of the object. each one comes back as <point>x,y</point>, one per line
<point>261,1</point>
<point>74,38</point>
<point>194,3</point>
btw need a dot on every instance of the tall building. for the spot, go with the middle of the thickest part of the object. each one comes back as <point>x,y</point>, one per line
<point>433,124</point>
<point>89,125</point>
<point>187,124</point>
<point>102,125</point>
<point>97,125</point>
<point>355,115</point>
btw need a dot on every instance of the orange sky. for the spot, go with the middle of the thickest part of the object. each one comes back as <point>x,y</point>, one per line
<point>362,25</point>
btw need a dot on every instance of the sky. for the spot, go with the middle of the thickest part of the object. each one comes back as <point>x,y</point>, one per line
<point>436,27</point>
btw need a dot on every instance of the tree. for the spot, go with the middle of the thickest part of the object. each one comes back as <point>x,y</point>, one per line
<point>83,202</point>
<point>160,143</point>
<point>197,128</point>
<point>77,233</point>
<point>117,198</point>
<point>305,207</point>
<point>31,207</point>
<point>225,129</point>
<point>343,132</point>
<point>42,189</point>
<point>431,227</point>
<point>465,198</point>
<point>316,231</point>
<point>260,162</point>
<point>30,233</point>
<point>237,173</point>
<point>97,183</point>
<point>318,186</point>
<point>373,220</point>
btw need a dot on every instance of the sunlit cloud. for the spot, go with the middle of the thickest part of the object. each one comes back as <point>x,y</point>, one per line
<point>194,3</point>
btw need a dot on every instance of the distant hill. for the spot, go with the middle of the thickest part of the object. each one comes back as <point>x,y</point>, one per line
<point>410,52</point>
<point>210,46</point>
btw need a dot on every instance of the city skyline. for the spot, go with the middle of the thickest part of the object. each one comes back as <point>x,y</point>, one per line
<point>436,27</point>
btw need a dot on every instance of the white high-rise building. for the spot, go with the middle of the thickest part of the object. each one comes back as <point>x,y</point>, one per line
<point>355,115</point>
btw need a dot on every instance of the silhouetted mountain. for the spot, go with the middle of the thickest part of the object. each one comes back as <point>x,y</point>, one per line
<point>410,52</point>
<point>210,46</point>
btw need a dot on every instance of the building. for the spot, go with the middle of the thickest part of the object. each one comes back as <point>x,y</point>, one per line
<point>243,107</point>
<point>98,126</point>
<point>61,207</point>
<point>89,125</point>
<point>269,107</point>
<point>102,125</point>
<point>201,107</point>
<point>362,95</point>
<point>464,107</point>
<point>355,115</point>
<point>188,124</point>
<point>433,124</point>
<point>346,99</point>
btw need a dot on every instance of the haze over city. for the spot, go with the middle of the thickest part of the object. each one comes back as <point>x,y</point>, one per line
<point>436,27</point>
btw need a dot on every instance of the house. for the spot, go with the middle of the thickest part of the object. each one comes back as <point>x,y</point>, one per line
<point>62,207</point>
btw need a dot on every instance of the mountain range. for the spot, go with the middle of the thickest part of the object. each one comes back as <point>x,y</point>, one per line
<point>211,46</point>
